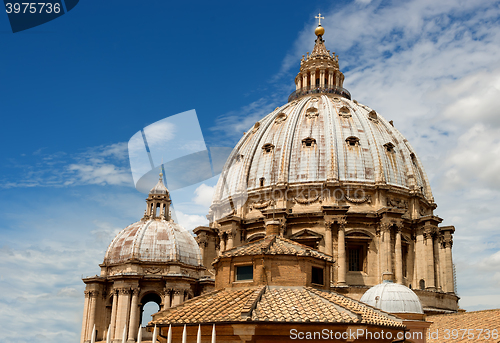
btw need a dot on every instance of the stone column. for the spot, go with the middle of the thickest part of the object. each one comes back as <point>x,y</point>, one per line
<point>83,335</point>
<point>399,257</point>
<point>178,297</point>
<point>341,252</point>
<point>92,306</point>
<point>222,244</point>
<point>313,79</point>
<point>122,313</point>
<point>166,298</point>
<point>328,238</point>
<point>133,325</point>
<point>330,77</point>
<point>419,259</point>
<point>322,78</point>
<point>386,256</point>
<point>230,240</point>
<point>304,80</point>
<point>114,306</point>
<point>437,260</point>
<point>429,258</point>
<point>448,243</point>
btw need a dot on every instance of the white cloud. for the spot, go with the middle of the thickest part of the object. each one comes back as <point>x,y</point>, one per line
<point>203,195</point>
<point>191,221</point>
<point>107,164</point>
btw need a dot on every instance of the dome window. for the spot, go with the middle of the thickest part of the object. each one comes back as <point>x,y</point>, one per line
<point>312,112</point>
<point>281,117</point>
<point>308,142</point>
<point>389,147</point>
<point>352,141</point>
<point>372,115</point>
<point>268,148</point>
<point>256,126</point>
<point>344,112</point>
<point>244,273</point>
<point>261,181</point>
<point>413,159</point>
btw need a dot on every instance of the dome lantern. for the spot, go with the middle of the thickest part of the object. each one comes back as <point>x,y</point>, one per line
<point>158,202</point>
<point>319,71</point>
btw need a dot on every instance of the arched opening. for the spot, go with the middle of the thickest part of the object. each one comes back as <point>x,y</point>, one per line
<point>352,141</point>
<point>422,284</point>
<point>150,304</point>
<point>308,142</point>
<point>255,237</point>
<point>267,148</point>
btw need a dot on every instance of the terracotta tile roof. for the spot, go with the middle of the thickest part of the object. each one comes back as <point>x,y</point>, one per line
<point>218,306</point>
<point>475,321</point>
<point>276,304</point>
<point>275,245</point>
<point>367,314</point>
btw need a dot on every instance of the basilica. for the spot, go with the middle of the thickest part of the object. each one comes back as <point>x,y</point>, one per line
<point>322,219</point>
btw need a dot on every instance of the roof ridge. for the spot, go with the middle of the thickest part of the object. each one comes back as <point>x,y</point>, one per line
<point>251,304</point>
<point>464,313</point>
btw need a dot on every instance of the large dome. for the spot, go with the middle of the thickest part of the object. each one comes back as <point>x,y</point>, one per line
<point>154,241</point>
<point>319,138</point>
<point>392,298</point>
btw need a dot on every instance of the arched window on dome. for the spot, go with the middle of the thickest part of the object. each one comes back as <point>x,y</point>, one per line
<point>308,142</point>
<point>357,244</point>
<point>389,147</point>
<point>344,112</point>
<point>267,148</point>
<point>352,141</point>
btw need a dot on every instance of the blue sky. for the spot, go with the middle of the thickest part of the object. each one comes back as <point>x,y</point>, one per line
<point>73,91</point>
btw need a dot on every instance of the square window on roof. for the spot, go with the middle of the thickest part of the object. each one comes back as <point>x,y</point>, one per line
<point>317,276</point>
<point>244,273</point>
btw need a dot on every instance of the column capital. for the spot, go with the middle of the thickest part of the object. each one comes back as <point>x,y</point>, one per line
<point>87,293</point>
<point>328,225</point>
<point>342,221</point>
<point>93,294</point>
<point>124,291</point>
<point>136,291</point>
<point>385,226</point>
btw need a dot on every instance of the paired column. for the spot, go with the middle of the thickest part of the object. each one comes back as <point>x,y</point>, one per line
<point>113,314</point>
<point>134,315</point>
<point>123,310</point>
<point>322,78</point>
<point>222,243</point>
<point>341,252</point>
<point>167,292</point>
<point>330,77</point>
<point>91,318</point>
<point>304,80</point>
<point>313,79</point>
<point>429,252</point>
<point>178,297</point>
<point>448,243</point>
<point>230,240</point>
<point>85,317</point>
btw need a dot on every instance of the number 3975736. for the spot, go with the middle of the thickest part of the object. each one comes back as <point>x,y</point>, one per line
<point>32,7</point>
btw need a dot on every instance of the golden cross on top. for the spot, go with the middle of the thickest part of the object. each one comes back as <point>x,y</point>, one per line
<point>319,17</point>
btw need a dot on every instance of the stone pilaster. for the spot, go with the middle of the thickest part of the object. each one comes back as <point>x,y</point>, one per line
<point>341,252</point>
<point>328,238</point>
<point>122,312</point>
<point>399,257</point>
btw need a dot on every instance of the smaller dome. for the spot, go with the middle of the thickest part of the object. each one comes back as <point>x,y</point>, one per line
<point>154,241</point>
<point>393,298</point>
<point>320,31</point>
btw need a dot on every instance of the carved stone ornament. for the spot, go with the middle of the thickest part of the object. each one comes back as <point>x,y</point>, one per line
<point>261,204</point>
<point>306,200</point>
<point>367,199</point>
<point>153,270</point>
<point>397,203</point>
